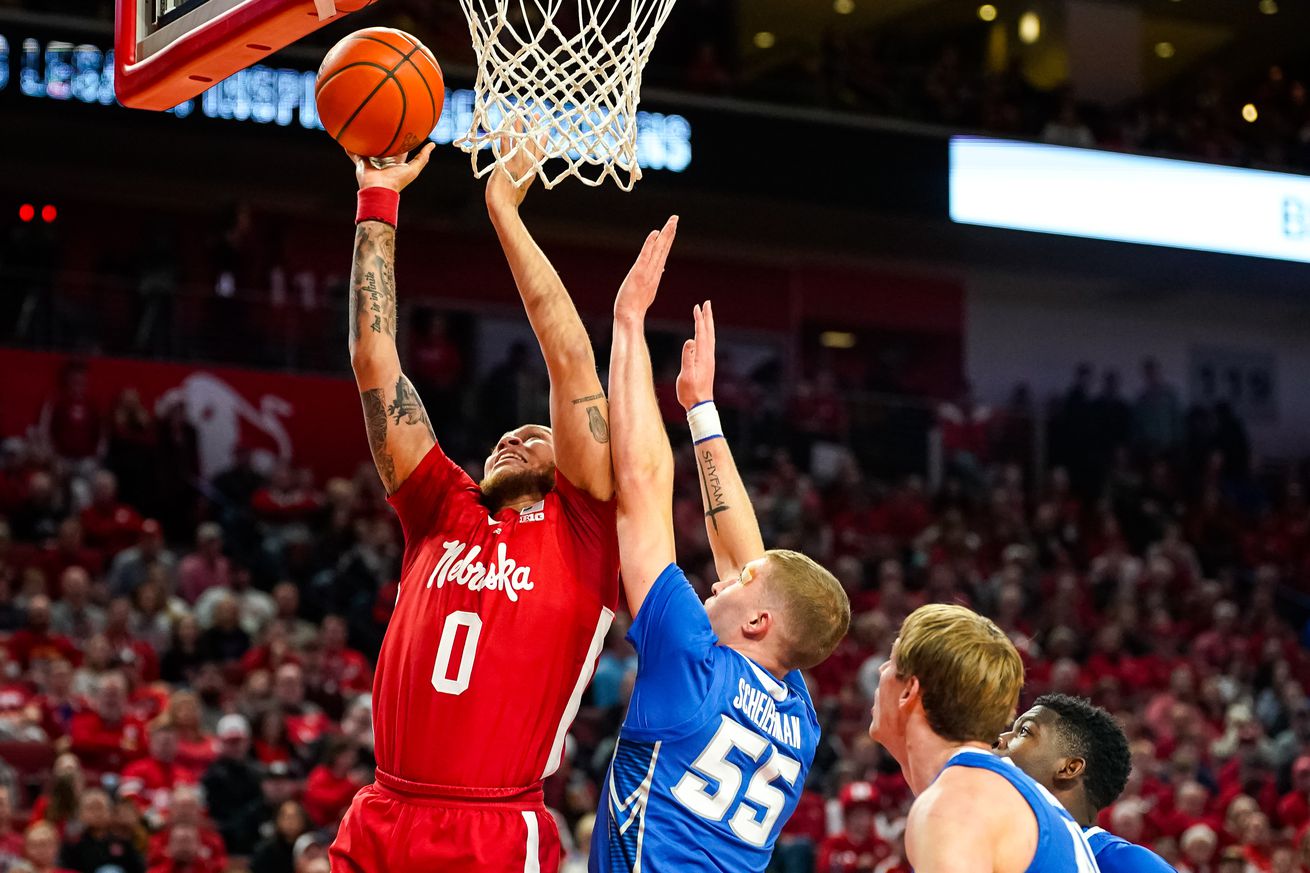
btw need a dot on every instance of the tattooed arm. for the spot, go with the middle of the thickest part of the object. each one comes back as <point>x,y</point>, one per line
<point>579,413</point>
<point>730,519</point>
<point>399,432</point>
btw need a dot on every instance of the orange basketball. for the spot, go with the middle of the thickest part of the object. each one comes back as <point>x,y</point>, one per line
<point>379,92</point>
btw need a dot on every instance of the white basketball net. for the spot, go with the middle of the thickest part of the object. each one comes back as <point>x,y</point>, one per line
<point>565,74</point>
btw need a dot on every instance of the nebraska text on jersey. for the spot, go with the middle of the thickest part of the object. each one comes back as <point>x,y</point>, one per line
<point>503,574</point>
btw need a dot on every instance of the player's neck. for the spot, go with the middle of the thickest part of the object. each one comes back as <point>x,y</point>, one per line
<point>926,753</point>
<point>761,656</point>
<point>1078,806</point>
<point>519,503</point>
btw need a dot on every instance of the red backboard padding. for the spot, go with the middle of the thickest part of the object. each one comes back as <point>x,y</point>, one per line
<point>251,30</point>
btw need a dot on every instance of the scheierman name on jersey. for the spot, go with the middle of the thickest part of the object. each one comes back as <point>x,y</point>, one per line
<point>759,707</point>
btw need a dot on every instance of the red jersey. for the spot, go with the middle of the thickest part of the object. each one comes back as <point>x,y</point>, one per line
<point>105,747</point>
<point>496,631</point>
<point>839,854</point>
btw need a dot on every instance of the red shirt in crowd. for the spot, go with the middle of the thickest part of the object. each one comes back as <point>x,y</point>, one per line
<point>113,527</point>
<point>105,747</point>
<point>213,853</point>
<point>27,645</point>
<point>327,795</point>
<point>74,426</point>
<point>809,819</point>
<point>350,669</point>
<point>840,854</point>
<point>1293,810</point>
<point>150,781</point>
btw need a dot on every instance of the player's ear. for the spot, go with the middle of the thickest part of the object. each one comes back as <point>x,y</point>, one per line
<point>1071,769</point>
<point>757,625</point>
<point>911,693</point>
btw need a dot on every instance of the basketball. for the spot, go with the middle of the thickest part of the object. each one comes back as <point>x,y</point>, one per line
<point>379,92</point>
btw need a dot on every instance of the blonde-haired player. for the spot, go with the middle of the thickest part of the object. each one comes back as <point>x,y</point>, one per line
<point>948,690</point>
<point>720,731</point>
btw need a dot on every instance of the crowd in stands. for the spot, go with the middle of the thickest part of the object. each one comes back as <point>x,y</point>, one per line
<point>186,664</point>
<point>940,78</point>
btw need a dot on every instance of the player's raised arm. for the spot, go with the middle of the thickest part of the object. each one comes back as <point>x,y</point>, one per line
<point>578,410</point>
<point>643,460</point>
<point>399,432</point>
<point>730,521</point>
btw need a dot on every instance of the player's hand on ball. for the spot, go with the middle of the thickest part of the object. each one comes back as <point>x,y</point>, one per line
<point>696,379</point>
<point>637,292</point>
<point>395,177</point>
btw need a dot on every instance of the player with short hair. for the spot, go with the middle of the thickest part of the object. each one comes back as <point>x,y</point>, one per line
<point>507,587</point>
<point>1080,754</point>
<point>720,730</point>
<point>948,689</point>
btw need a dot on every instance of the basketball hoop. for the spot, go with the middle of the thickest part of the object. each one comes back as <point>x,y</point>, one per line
<point>565,74</point>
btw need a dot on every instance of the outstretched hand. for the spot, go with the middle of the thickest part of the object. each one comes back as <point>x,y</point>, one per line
<point>502,193</point>
<point>395,177</point>
<point>637,292</point>
<point>696,379</point>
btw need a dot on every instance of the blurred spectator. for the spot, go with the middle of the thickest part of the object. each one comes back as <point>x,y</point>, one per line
<point>132,566</point>
<point>11,840</point>
<point>108,523</point>
<point>183,852</point>
<point>107,737</point>
<point>276,854</point>
<point>857,848</point>
<point>206,567</point>
<point>151,780</point>
<point>187,811</point>
<point>97,848</point>
<point>1157,415</point>
<point>225,641</point>
<point>310,854</point>
<point>36,643</point>
<point>232,786</point>
<point>1067,128</point>
<point>71,422</point>
<point>185,654</point>
<point>42,849</point>
<point>130,448</point>
<point>255,608</point>
<point>435,363</point>
<point>74,615</point>
<point>333,783</point>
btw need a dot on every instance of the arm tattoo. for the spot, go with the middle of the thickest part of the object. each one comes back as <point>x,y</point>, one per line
<point>709,475</point>
<point>407,406</point>
<point>589,398</point>
<point>600,430</point>
<point>373,280</point>
<point>375,419</point>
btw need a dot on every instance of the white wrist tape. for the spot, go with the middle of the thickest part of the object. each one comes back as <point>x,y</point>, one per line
<point>704,421</point>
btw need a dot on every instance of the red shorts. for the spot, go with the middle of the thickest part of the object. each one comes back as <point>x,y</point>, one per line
<point>396,826</point>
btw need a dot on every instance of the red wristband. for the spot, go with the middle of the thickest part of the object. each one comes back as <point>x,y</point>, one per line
<point>378,204</point>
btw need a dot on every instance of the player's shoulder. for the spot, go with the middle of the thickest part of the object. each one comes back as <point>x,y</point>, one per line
<point>1114,854</point>
<point>972,792</point>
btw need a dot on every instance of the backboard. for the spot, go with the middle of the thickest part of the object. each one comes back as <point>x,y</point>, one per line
<point>168,51</point>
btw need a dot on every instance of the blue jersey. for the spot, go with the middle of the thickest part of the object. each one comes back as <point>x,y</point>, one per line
<point>1117,855</point>
<point>712,755</point>
<point>1061,846</point>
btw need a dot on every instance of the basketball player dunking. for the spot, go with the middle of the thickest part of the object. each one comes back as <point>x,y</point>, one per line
<point>507,587</point>
<point>949,688</point>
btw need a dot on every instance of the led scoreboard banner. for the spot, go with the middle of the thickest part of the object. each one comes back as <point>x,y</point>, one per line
<point>1129,198</point>
<point>83,73</point>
